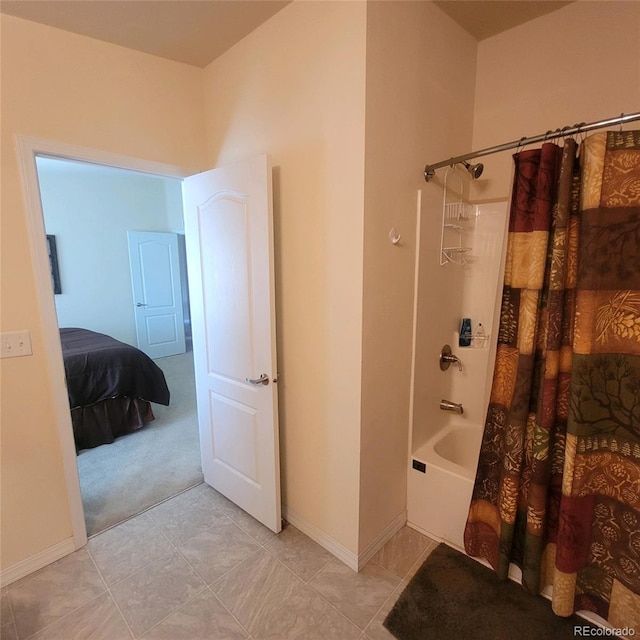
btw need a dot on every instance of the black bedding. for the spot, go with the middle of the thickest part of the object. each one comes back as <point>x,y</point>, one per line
<point>99,367</point>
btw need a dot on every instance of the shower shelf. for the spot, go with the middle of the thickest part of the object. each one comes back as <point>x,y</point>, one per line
<point>477,343</point>
<point>456,249</point>
<point>454,254</point>
<point>457,211</point>
<point>456,217</point>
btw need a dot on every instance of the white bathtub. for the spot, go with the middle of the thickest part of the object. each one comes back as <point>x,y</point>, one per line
<point>438,498</point>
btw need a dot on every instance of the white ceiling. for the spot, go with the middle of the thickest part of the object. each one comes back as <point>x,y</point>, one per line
<point>484,18</point>
<point>191,31</point>
<point>198,31</point>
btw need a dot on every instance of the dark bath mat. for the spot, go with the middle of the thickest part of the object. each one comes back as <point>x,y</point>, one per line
<point>454,597</point>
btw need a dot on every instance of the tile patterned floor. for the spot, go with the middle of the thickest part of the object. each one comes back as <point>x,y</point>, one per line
<point>198,568</point>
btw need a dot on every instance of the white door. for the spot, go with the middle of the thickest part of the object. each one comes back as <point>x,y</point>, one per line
<point>229,231</point>
<point>157,292</point>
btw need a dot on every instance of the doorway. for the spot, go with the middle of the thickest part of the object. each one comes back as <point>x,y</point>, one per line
<point>247,182</point>
<point>88,210</point>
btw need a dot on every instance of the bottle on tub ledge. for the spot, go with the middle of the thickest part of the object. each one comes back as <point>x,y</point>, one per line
<point>464,339</point>
<point>479,337</point>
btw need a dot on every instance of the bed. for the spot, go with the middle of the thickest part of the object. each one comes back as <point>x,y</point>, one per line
<point>111,386</point>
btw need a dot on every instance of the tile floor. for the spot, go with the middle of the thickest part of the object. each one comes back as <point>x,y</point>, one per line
<point>197,567</point>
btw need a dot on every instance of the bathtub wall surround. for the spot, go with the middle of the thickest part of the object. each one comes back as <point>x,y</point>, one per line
<point>445,443</point>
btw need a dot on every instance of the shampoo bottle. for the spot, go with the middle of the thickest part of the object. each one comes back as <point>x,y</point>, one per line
<point>465,333</point>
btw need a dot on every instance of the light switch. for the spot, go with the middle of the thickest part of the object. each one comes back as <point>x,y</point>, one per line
<point>14,344</point>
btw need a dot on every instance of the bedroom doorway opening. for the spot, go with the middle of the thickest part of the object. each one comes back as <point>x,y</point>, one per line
<point>246,189</point>
<point>88,210</point>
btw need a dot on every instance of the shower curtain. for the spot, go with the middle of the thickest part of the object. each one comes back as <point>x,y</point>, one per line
<point>557,490</point>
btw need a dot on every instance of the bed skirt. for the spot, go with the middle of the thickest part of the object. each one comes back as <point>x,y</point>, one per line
<point>104,421</point>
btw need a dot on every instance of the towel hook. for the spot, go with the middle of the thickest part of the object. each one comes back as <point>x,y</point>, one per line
<point>394,236</point>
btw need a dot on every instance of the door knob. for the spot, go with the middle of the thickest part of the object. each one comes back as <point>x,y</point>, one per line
<point>140,304</point>
<point>263,379</point>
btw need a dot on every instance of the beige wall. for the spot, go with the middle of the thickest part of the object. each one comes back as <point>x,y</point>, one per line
<point>295,89</point>
<point>578,64</point>
<point>79,91</point>
<point>420,83</point>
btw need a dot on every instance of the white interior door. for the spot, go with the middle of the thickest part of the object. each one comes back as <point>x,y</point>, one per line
<point>229,231</point>
<point>157,292</point>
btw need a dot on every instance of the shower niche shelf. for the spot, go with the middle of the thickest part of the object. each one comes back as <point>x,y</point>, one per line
<point>457,217</point>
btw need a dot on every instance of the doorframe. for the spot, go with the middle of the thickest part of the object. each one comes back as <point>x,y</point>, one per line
<point>28,149</point>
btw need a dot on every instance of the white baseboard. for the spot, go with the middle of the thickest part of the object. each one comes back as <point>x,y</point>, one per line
<point>381,539</point>
<point>352,560</point>
<point>38,561</point>
<point>323,539</point>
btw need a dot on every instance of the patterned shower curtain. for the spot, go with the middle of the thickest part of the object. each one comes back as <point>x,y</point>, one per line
<point>557,489</point>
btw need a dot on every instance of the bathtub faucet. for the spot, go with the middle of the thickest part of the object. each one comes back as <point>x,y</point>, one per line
<point>447,405</point>
<point>447,358</point>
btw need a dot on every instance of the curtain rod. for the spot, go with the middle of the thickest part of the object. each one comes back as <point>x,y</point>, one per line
<point>429,170</point>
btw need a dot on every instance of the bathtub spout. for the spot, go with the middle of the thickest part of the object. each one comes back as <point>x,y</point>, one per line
<point>447,405</point>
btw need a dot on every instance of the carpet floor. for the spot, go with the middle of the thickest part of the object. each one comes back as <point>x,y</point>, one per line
<point>143,468</point>
<point>453,596</point>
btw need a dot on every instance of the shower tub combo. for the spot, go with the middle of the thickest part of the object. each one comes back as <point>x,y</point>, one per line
<point>446,446</point>
<point>443,468</point>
